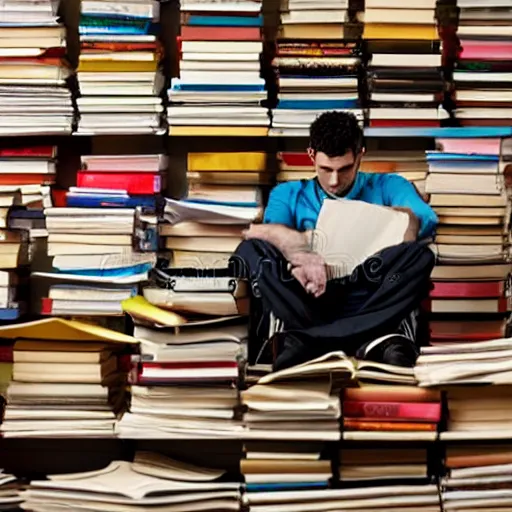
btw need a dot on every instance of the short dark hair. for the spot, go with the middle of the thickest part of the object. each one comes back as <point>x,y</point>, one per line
<point>335,133</point>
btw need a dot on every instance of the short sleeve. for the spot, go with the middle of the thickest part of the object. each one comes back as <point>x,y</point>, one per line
<point>279,209</point>
<point>399,192</point>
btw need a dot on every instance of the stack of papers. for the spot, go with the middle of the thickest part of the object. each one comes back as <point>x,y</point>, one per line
<point>150,481</point>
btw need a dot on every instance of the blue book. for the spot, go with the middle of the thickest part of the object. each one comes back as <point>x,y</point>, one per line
<point>9,314</point>
<point>181,86</point>
<point>197,20</point>
<point>121,31</point>
<point>106,201</point>
<point>470,132</point>
<point>433,156</point>
<point>295,486</point>
<point>252,204</point>
<point>110,272</point>
<point>318,104</point>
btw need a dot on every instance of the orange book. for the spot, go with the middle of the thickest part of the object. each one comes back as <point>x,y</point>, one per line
<point>478,459</point>
<point>378,426</point>
<point>26,179</point>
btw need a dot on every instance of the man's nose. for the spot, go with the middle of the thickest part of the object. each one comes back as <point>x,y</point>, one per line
<point>333,179</point>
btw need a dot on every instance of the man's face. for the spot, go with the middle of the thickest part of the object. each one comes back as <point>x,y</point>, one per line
<point>337,174</point>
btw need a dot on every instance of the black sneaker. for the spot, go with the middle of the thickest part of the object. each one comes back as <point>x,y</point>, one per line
<point>393,349</point>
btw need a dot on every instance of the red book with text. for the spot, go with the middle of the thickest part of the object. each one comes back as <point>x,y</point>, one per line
<point>390,411</point>
<point>33,152</point>
<point>134,183</point>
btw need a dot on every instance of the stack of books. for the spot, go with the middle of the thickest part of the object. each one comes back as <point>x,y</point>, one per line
<point>482,469</point>
<point>468,192</point>
<point>10,498</point>
<point>390,413</point>
<point>220,89</point>
<point>204,234</point>
<point>405,85</point>
<point>282,466</point>
<point>118,72</point>
<point>68,379</point>
<point>185,378</point>
<point>475,410</point>
<point>26,175</point>
<point>483,73</point>
<point>383,464</point>
<point>104,240</point>
<point>136,485</point>
<point>314,76</point>
<point>307,19</point>
<point>34,97</point>
<point>421,498</point>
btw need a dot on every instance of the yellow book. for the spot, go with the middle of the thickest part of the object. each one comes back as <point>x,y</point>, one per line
<point>117,66</point>
<point>139,307</point>
<point>312,31</point>
<point>218,131</point>
<point>242,161</point>
<point>398,31</point>
<point>64,330</point>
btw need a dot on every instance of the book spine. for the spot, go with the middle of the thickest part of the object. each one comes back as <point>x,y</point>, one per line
<point>393,410</point>
<point>371,394</point>
<point>133,183</point>
<point>447,290</point>
<point>189,33</point>
<point>379,426</point>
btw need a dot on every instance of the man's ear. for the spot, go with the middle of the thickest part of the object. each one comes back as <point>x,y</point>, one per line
<point>311,154</point>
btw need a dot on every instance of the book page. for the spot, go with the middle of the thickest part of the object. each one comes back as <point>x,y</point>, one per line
<point>348,232</point>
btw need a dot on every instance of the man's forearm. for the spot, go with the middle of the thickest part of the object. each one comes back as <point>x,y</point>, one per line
<point>287,240</point>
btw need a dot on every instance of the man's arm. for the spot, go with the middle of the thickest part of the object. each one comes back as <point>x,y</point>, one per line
<point>402,195</point>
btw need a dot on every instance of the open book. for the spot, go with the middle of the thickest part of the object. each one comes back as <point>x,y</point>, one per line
<point>348,232</point>
<point>340,365</point>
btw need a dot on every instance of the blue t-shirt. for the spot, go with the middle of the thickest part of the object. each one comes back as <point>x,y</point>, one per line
<point>297,204</point>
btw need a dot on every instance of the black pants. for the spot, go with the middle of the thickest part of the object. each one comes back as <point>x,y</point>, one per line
<point>354,310</point>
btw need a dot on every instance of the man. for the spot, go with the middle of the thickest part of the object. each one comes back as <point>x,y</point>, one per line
<point>336,149</point>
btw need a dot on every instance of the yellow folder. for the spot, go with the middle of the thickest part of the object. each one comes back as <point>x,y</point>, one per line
<point>63,330</point>
<point>139,307</point>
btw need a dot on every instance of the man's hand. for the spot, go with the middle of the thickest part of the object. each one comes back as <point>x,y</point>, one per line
<point>309,269</point>
<point>414,224</point>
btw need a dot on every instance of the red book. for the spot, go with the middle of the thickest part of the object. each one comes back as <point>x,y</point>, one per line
<point>391,393</point>
<point>393,411</point>
<point>192,33</point>
<point>134,183</point>
<point>295,159</point>
<point>469,330</point>
<point>481,290</point>
<point>27,179</point>
<point>6,353</point>
<point>46,306</point>
<point>403,123</point>
<point>34,151</point>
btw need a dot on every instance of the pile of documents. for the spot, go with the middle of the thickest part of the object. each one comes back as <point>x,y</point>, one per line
<point>118,72</point>
<point>150,480</point>
<point>204,234</point>
<point>68,379</point>
<point>220,90</point>
<point>34,97</point>
<point>186,377</point>
<point>298,403</point>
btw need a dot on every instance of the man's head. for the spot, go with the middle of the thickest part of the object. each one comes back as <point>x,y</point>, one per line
<point>336,148</point>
